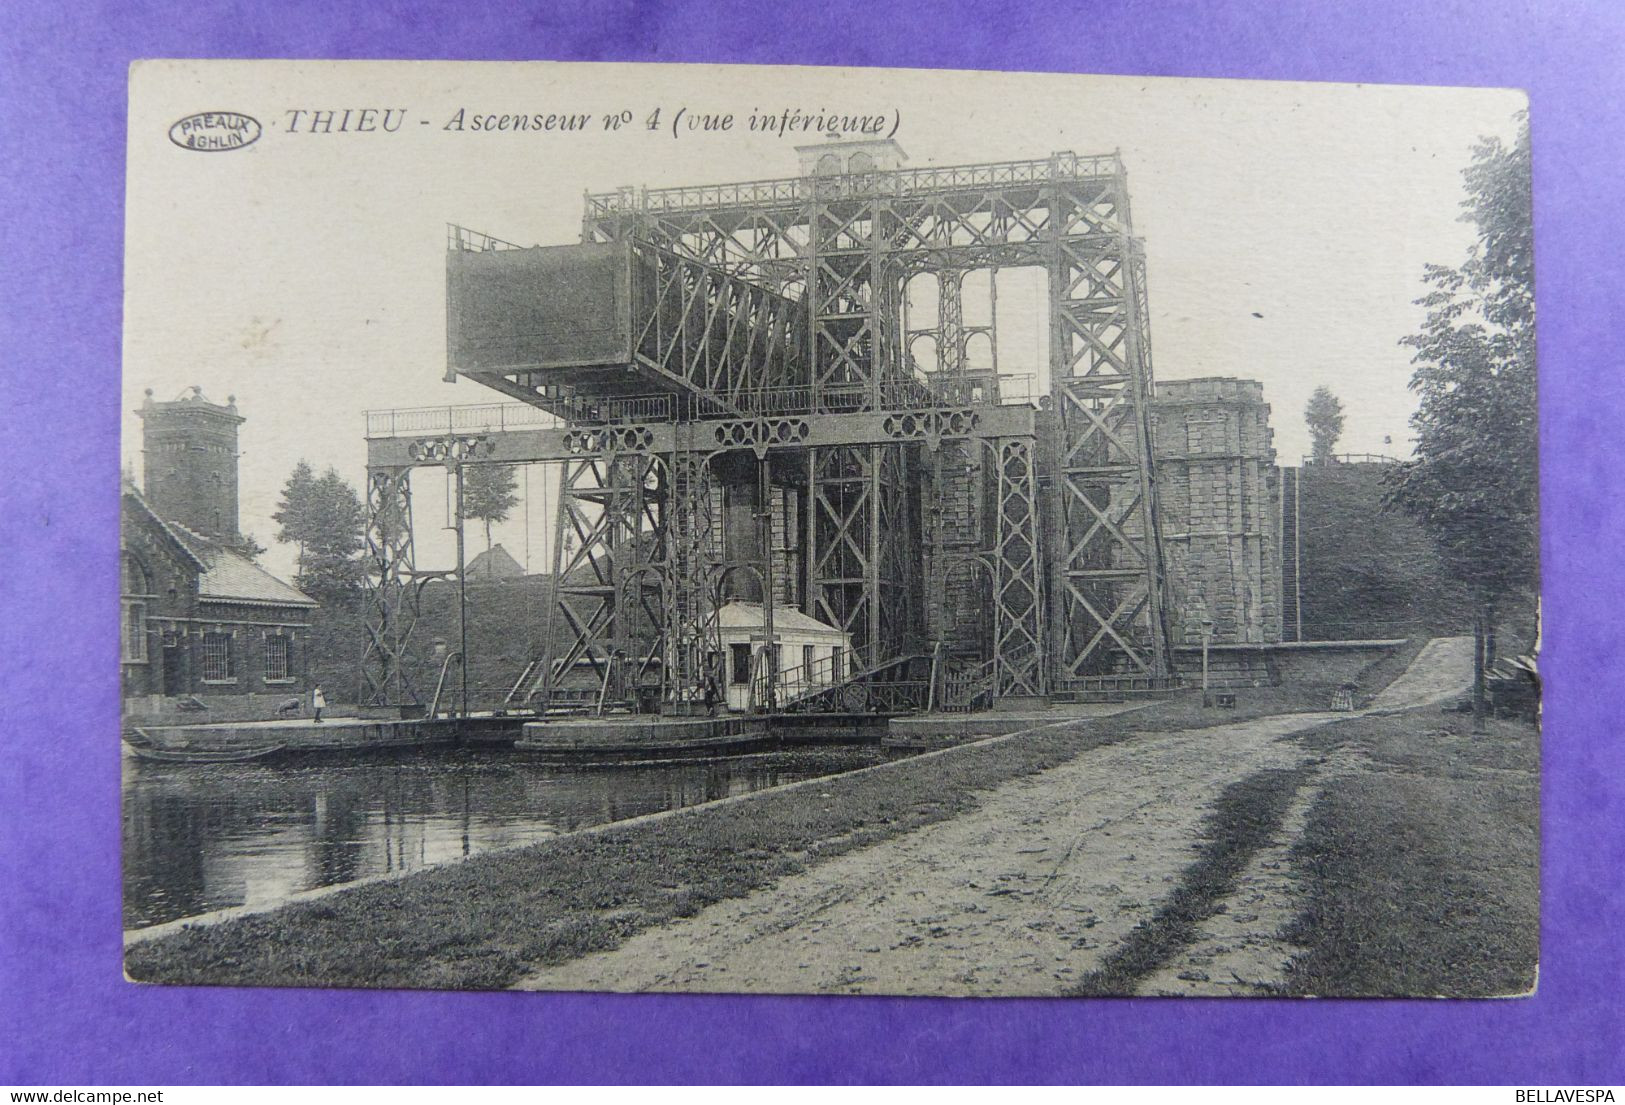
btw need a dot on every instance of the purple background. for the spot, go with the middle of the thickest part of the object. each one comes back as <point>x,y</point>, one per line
<point>65,1015</point>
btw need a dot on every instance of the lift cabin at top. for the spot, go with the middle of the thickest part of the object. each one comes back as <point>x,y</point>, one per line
<point>739,419</point>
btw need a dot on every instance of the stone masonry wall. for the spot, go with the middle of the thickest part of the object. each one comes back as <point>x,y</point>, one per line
<point>1219,496</point>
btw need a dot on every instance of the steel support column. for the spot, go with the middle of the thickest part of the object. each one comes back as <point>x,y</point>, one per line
<point>390,668</point>
<point>609,559</point>
<point>843,255</point>
<point>1107,572</point>
<point>693,558</point>
<point>1018,640</point>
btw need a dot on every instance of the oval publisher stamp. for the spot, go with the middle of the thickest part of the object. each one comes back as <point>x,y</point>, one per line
<point>214,131</point>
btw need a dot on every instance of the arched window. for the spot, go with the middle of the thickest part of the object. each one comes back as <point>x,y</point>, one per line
<point>136,588</point>
<point>861,163</point>
<point>829,165</point>
<point>134,581</point>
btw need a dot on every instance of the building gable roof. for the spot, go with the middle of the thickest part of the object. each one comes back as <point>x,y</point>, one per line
<point>143,509</point>
<point>232,577</point>
<point>786,619</point>
<point>225,575</point>
<point>495,563</point>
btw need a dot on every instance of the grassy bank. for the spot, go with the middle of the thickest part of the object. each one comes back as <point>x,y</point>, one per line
<point>486,922</point>
<point>1422,862</point>
<point>1382,671</point>
<point>1247,814</point>
<point>1419,863</point>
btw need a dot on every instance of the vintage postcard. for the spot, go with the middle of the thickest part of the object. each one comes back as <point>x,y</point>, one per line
<point>836,531</point>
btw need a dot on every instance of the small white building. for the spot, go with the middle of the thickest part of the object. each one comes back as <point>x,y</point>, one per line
<point>811,654</point>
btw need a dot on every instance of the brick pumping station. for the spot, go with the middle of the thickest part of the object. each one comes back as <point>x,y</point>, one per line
<point>784,509</point>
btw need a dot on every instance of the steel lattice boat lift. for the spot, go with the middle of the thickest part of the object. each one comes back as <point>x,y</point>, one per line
<point>725,376</point>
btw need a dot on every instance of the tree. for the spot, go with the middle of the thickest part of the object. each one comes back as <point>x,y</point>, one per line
<point>1324,414</point>
<point>489,494</point>
<point>295,513</point>
<point>1473,484</point>
<point>325,519</point>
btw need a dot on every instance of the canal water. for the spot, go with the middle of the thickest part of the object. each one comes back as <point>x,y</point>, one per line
<point>201,838</point>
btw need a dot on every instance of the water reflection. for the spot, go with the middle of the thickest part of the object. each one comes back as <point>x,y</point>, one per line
<point>204,838</point>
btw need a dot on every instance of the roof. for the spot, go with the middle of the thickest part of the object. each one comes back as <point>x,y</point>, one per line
<point>232,576</point>
<point>786,620</point>
<point>133,495</point>
<point>494,563</point>
<point>224,575</point>
<point>229,576</point>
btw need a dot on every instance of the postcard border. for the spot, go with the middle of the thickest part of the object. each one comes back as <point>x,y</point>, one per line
<point>69,1017</point>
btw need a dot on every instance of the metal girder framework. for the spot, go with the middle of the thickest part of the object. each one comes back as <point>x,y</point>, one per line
<point>965,216</point>
<point>861,541</point>
<point>694,334</point>
<point>765,242</point>
<point>722,337</point>
<point>608,566</point>
<point>1107,583</point>
<point>984,550</point>
<point>390,668</point>
<point>1018,621</point>
<point>850,243</point>
<point>950,335</point>
<point>694,557</point>
<point>853,349</point>
<point>408,443</point>
<point>763,310</point>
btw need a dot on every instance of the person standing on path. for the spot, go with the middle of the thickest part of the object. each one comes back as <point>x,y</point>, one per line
<point>318,701</point>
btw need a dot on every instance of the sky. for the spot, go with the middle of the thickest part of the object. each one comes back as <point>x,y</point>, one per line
<point>1286,227</point>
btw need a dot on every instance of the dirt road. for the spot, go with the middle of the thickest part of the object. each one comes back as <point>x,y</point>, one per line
<point>1032,893</point>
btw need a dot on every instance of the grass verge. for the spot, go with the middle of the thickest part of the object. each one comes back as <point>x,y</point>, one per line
<point>1377,675</point>
<point>1421,862</point>
<point>486,922</point>
<point>1245,817</point>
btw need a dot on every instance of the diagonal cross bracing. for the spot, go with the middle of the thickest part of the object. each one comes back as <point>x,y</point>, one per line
<point>780,301</point>
<point>715,335</point>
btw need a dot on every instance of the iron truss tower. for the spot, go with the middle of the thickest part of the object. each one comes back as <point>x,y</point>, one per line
<point>736,411</point>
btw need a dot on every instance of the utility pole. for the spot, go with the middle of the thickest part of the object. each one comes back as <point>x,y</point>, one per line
<point>764,504</point>
<point>462,596</point>
<point>1196,611</point>
<point>1207,639</point>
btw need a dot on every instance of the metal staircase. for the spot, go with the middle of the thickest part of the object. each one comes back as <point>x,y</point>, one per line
<point>964,687</point>
<point>899,685</point>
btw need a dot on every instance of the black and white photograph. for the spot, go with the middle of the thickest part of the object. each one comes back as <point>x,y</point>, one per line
<point>793,530</point>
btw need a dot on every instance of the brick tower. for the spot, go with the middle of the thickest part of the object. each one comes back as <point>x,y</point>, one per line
<point>189,451</point>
